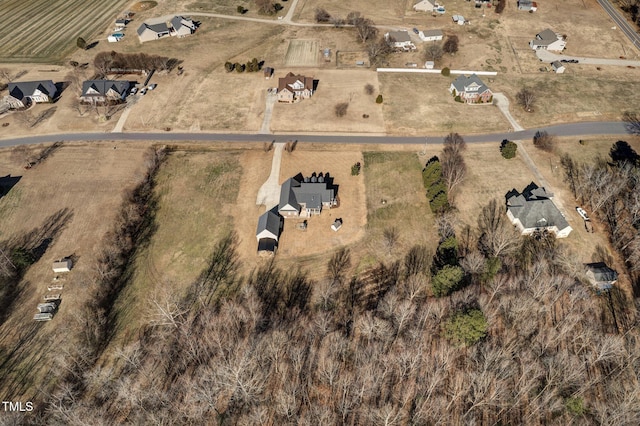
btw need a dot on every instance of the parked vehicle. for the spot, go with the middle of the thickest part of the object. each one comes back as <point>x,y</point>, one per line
<point>582,213</point>
<point>152,86</point>
<point>143,91</point>
<point>415,30</point>
<point>134,90</point>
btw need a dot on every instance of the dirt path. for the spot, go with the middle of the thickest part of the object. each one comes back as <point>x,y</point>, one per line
<point>269,193</point>
<point>268,112</point>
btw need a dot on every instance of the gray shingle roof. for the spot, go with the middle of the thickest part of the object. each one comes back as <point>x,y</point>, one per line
<point>400,36</point>
<point>22,89</point>
<point>269,221</point>
<point>601,272</point>
<point>535,209</point>
<point>462,82</point>
<point>432,33</point>
<point>156,28</point>
<point>287,196</point>
<point>103,86</point>
<point>312,194</point>
<point>546,37</point>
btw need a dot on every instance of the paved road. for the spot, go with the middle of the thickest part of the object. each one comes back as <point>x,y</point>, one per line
<point>546,56</point>
<point>572,129</point>
<point>622,23</point>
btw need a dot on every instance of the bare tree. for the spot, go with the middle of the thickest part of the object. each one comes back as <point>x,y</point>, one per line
<point>433,52</point>
<point>632,120</point>
<point>544,141</point>
<point>450,45</point>
<point>526,98</point>
<point>353,17</point>
<point>340,261</point>
<point>369,89</point>
<point>454,143</point>
<point>322,15</point>
<point>390,238</point>
<point>341,109</point>
<point>497,236</point>
<point>378,51</point>
<point>265,7</point>
<point>366,29</point>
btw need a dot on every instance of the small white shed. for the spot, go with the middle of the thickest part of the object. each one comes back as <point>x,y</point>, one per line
<point>63,265</point>
<point>429,65</point>
<point>558,67</point>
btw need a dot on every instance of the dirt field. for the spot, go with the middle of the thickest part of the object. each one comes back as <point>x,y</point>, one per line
<point>380,11</point>
<point>421,104</point>
<point>351,59</point>
<point>76,192</point>
<point>301,53</point>
<point>45,37</point>
<point>317,114</point>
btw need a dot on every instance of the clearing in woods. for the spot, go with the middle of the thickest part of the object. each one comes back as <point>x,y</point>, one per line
<point>45,30</point>
<point>302,53</point>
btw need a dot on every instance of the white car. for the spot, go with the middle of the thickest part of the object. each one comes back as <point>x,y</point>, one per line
<point>134,90</point>
<point>143,91</point>
<point>152,86</point>
<point>582,213</point>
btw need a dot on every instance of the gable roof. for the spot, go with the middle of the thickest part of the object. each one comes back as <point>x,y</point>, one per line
<point>534,208</point>
<point>432,33</point>
<point>290,79</point>
<point>23,89</point>
<point>601,273</point>
<point>546,37</point>
<point>156,28</point>
<point>312,194</point>
<point>269,222</point>
<point>102,87</point>
<point>462,82</point>
<point>399,36</point>
<point>178,21</point>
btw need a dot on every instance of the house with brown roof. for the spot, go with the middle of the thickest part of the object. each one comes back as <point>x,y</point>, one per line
<point>294,88</point>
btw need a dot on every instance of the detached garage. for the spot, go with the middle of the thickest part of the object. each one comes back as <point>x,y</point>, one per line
<point>63,265</point>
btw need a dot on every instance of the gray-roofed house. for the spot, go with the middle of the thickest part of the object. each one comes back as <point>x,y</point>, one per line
<point>149,32</point>
<point>471,89</point>
<point>548,40</point>
<point>558,67</point>
<point>399,40</point>
<point>23,93</point>
<point>307,196</point>
<point>601,276</point>
<point>527,5</point>
<point>533,210</point>
<point>425,6</point>
<point>431,35</point>
<point>182,27</point>
<point>102,91</point>
<point>268,233</point>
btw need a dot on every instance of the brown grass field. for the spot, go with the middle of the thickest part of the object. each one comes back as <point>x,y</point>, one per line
<point>84,184</point>
<point>302,53</point>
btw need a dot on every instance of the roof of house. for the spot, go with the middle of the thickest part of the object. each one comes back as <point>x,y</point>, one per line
<point>601,272</point>
<point>432,2</point>
<point>179,21</point>
<point>462,82</point>
<point>432,33</point>
<point>399,36</point>
<point>101,87</point>
<point>556,64</point>
<point>289,80</point>
<point>22,89</point>
<point>294,192</point>
<point>534,208</point>
<point>546,37</point>
<point>270,222</point>
<point>156,28</point>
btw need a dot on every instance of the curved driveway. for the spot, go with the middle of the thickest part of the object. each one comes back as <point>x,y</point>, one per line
<point>572,129</point>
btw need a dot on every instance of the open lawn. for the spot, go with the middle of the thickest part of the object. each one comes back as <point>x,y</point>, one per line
<point>317,114</point>
<point>68,203</point>
<point>302,53</point>
<point>380,11</point>
<point>420,103</point>
<point>194,191</point>
<point>46,30</point>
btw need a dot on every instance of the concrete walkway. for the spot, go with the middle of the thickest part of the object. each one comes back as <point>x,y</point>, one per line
<point>269,192</point>
<point>548,57</point>
<point>265,129</point>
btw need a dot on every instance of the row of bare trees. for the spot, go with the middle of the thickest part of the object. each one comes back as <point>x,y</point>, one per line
<point>107,61</point>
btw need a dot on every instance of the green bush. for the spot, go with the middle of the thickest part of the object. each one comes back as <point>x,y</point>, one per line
<point>241,10</point>
<point>355,169</point>
<point>447,280</point>
<point>448,252</point>
<point>379,99</point>
<point>228,66</point>
<point>81,43</point>
<point>431,174</point>
<point>445,72</point>
<point>466,328</point>
<point>575,405</point>
<point>21,258</point>
<point>458,99</point>
<point>508,149</point>
<point>439,203</point>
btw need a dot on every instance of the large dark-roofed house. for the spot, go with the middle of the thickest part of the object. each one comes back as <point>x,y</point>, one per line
<point>307,196</point>
<point>23,92</point>
<point>471,89</point>
<point>532,210</point>
<point>101,91</point>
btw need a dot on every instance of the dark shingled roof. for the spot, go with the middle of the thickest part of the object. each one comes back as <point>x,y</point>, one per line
<point>312,194</point>
<point>601,272</point>
<point>22,89</point>
<point>287,195</point>
<point>267,244</point>
<point>534,208</point>
<point>156,28</point>
<point>269,221</point>
<point>103,86</point>
<point>546,37</point>
<point>463,81</point>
